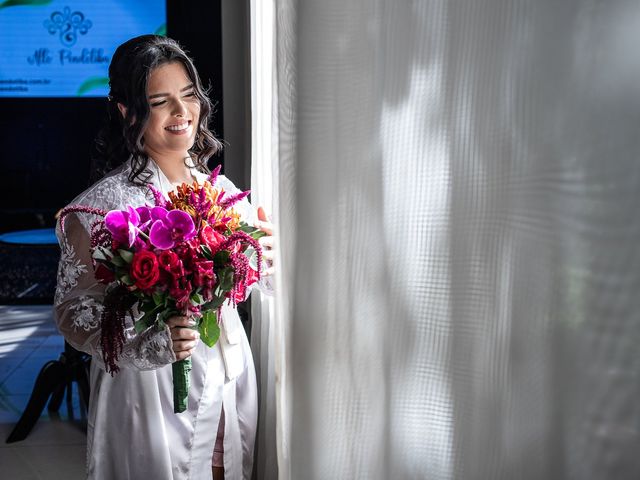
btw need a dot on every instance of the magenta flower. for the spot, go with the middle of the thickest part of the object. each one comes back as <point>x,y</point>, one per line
<point>233,199</point>
<point>158,197</point>
<point>214,175</point>
<point>123,225</point>
<point>145,216</point>
<point>170,227</point>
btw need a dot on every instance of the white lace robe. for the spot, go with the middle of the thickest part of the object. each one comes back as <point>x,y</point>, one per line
<point>132,430</point>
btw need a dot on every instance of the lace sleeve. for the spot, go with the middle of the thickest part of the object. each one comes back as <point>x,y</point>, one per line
<point>78,306</point>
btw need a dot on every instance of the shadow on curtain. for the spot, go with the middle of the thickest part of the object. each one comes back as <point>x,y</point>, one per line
<point>458,188</point>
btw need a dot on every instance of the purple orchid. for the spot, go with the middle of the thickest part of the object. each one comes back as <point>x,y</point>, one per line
<point>170,227</point>
<point>123,225</point>
<point>145,216</point>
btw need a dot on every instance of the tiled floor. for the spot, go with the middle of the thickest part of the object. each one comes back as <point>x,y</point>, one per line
<point>55,448</point>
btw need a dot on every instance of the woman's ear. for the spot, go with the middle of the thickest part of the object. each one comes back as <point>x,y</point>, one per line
<point>123,110</point>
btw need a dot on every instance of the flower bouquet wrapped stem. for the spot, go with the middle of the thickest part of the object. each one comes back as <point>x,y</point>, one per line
<point>185,255</point>
<point>181,370</point>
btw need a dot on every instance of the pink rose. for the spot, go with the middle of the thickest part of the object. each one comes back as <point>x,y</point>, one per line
<point>210,237</point>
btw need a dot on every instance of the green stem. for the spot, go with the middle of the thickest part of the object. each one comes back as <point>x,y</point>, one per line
<point>181,370</point>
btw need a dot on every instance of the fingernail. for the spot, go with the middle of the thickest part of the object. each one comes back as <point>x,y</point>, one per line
<point>192,322</point>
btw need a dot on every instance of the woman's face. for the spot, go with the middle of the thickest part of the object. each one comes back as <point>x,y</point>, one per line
<point>174,111</point>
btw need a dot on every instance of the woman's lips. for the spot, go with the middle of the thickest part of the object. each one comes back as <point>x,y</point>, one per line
<point>179,129</point>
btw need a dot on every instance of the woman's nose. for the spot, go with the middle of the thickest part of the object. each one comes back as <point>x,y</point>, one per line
<point>179,108</point>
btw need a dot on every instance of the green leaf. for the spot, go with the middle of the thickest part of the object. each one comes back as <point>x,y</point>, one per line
<point>252,255</point>
<point>126,255</point>
<point>146,321</point>
<point>206,251</point>
<point>164,316</point>
<point>127,280</point>
<point>26,3</point>
<point>221,258</point>
<point>92,83</point>
<point>209,329</point>
<point>102,253</point>
<point>117,261</point>
<point>225,279</point>
<point>254,232</point>
<point>158,298</point>
<point>216,302</point>
<point>146,307</point>
<point>196,299</point>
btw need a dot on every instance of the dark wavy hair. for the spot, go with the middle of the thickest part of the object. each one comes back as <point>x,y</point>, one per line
<point>121,137</point>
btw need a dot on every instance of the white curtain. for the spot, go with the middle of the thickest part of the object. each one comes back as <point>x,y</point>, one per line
<point>457,189</point>
<point>267,334</point>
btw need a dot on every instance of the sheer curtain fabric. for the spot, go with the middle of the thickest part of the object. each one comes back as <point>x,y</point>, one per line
<point>457,200</point>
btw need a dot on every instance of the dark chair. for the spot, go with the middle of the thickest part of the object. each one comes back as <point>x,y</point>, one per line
<point>54,378</point>
<point>30,260</point>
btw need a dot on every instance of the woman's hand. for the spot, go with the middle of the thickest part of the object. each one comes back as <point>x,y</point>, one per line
<point>267,242</point>
<point>184,337</point>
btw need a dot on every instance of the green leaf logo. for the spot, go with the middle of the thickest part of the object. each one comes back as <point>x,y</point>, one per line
<point>25,3</point>
<point>92,83</point>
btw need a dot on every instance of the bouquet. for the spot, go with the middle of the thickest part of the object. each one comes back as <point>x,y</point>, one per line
<point>185,255</point>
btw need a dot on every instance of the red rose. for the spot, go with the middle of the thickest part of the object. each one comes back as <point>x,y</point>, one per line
<point>145,271</point>
<point>103,274</point>
<point>170,262</point>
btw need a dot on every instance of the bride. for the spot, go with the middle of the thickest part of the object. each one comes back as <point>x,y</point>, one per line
<point>156,134</point>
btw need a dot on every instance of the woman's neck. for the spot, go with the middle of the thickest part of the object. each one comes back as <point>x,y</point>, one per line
<point>174,169</point>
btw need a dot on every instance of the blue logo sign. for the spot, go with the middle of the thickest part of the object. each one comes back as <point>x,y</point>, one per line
<point>68,25</point>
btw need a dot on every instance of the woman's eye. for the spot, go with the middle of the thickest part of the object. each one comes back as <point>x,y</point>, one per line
<point>190,94</point>
<point>157,104</point>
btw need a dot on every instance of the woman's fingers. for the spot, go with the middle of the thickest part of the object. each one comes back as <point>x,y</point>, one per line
<point>267,272</point>
<point>266,227</point>
<point>184,337</point>
<point>183,333</point>
<point>263,222</point>
<point>184,354</point>
<point>262,215</point>
<point>268,255</point>
<point>266,242</point>
<point>184,345</point>
<point>180,321</point>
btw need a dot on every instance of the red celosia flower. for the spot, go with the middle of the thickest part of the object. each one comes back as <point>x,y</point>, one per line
<point>203,275</point>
